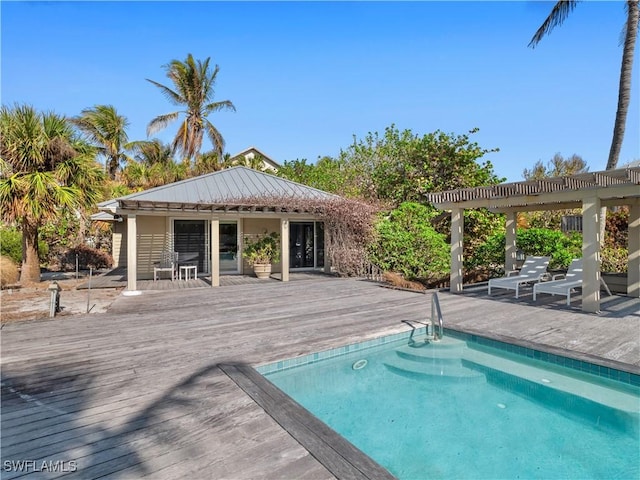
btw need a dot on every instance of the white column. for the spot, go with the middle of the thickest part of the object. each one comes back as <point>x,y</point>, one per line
<point>284,248</point>
<point>510,248</point>
<point>215,252</point>
<point>327,256</point>
<point>591,254</point>
<point>633,270</point>
<point>457,226</point>
<point>132,253</point>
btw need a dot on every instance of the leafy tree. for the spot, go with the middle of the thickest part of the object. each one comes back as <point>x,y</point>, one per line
<point>194,84</point>
<point>403,166</point>
<point>329,174</point>
<point>407,243</point>
<point>558,166</point>
<point>559,13</point>
<point>45,168</point>
<point>107,131</point>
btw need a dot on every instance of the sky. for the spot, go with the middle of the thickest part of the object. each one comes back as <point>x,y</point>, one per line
<point>307,78</point>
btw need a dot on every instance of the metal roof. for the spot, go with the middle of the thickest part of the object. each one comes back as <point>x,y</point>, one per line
<point>231,187</point>
<point>611,186</point>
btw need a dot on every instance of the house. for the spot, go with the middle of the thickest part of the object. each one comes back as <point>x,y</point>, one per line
<point>207,218</point>
<point>246,157</point>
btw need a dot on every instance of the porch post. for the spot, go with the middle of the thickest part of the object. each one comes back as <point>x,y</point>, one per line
<point>457,225</point>
<point>510,249</point>
<point>132,253</point>
<point>591,254</point>
<point>215,252</point>
<point>284,248</point>
<point>633,270</point>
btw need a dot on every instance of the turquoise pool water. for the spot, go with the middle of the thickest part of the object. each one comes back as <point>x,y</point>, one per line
<point>460,409</point>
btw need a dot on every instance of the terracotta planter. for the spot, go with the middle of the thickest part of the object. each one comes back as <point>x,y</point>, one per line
<point>262,270</point>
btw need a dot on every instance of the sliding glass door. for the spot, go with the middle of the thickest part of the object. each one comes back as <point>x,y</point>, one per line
<point>306,245</point>
<point>191,241</point>
<point>229,247</point>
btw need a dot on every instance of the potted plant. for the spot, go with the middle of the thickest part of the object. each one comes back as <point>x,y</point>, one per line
<point>262,252</point>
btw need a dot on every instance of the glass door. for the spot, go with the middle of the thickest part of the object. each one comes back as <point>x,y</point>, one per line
<point>190,241</point>
<point>229,247</point>
<point>301,245</point>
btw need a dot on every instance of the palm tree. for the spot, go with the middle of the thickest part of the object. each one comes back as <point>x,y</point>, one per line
<point>107,131</point>
<point>153,165</point>
<point>194,90</point>
<point>255,162</point>
<point>559,13</point>
<point>45,169</point>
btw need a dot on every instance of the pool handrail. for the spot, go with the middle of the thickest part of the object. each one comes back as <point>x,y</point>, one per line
<point>436,311</point>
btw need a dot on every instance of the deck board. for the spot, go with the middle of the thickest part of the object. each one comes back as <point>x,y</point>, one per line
<point>139,392</point>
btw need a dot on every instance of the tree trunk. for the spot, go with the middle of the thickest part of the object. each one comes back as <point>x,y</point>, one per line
<point>624,89</point>
<point>30,259</point>
<point>624,97</point>
<point>112,166</point>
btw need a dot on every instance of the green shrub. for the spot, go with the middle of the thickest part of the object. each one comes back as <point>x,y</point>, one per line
<point>615,260</point>
<point>11,245</point>
<point>406,243</point>
<point>560,247</point>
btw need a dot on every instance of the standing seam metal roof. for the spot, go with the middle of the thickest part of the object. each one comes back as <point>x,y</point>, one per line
<point>223,186</point>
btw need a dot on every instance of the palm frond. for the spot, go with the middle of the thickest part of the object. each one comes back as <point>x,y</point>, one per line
<point>161,122</point>
<point>216,138</point>
<point>219,106</point>
<point>174,97</point>
<point>558,15</point>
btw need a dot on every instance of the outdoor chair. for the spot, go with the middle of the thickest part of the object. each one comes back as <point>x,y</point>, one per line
<point>566,285</point>
<point>533,270</point>
<point>169,263</point>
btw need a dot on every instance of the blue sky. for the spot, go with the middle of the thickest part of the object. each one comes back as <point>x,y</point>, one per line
<point>306,77</point>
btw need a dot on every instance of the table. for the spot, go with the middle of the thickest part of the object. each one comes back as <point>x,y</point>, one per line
<point>187,269</point>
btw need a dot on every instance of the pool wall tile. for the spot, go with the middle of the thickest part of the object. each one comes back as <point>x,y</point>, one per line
<point>601,371</point>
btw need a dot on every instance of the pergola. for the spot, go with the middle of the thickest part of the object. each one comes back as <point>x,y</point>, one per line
<point>589,191</point>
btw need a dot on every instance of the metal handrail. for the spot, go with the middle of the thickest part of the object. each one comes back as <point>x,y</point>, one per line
<point>436,311</point>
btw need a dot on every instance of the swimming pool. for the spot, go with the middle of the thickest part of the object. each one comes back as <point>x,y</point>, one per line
<point>469,407</point>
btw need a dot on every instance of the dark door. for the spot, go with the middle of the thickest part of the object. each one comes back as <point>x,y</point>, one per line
<point>190,242</point>
<point>301,245</point>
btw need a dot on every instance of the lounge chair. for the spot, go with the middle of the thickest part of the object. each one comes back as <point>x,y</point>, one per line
<point>566,285</point>
<point>534,269</point>
<point>169,263</point>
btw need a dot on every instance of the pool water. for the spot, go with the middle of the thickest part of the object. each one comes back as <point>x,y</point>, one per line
<point>455,409</point>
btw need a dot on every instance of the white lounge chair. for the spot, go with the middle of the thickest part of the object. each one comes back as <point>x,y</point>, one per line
<point>565,286</point>
<point>534,269</point>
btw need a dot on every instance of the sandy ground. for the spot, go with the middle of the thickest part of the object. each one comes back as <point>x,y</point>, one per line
<point>32,301</point>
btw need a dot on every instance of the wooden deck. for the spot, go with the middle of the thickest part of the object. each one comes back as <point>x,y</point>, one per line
<point>141,391</point>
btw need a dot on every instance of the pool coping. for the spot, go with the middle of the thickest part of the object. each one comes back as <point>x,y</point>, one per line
<point>332,450</point>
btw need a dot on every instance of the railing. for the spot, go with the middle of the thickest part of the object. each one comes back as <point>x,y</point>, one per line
<point>436,313</point>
